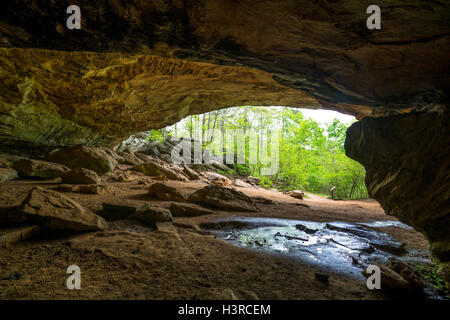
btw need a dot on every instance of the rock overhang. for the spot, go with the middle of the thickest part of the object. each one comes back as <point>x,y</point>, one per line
<point>146,64</point>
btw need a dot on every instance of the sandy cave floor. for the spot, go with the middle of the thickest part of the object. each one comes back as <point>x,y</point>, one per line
<point>130,261</point>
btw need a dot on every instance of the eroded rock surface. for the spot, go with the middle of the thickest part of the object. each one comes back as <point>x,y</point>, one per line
<point>81,156</point>
<point>222,197</point>
<point>407,170</point>
<point>55,211</point>
<point>31,168</point>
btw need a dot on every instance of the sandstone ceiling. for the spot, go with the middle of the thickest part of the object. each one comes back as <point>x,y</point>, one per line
<point>136,65</point>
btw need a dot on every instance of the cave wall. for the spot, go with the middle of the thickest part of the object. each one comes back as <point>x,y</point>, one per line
<point>407,162</point>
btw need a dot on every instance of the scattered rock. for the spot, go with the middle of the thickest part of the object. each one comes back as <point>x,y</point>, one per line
<point>81,156</point>
<point>394,247</point>
<point>305,229</point>
<point>191,173</point>
<point>188,210</point>
<point>120,209</point>
<point>298,194</point>
<point>390,279</point>
<point>222,197</point>
<point>408,273</point>
<point>151,215</point>
<point>218,165</point>
<point>8,174</point>
<point>165,157</point>
<point>55,211</point>
<point>253,180</point>
<point>166,193</point>
<point>129,158</point>
<point>217,179</point>
<point>93,189</point>
<point>31,168</point>
<point>322,277</point>
<point>113,155</point>
<point>9,236</point>
<point>154,168</point>
<point>81,176</point>
<point>159,178</point>
<point>241,183</point>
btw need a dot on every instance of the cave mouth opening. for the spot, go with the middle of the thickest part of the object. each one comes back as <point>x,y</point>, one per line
<point>286,148</point>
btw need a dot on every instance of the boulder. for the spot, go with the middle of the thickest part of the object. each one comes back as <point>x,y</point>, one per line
<point>31,168</point>
<point>153,168</point>
<point>151,215</point>
<point>241,183</point>
<point>113,155</point>
<point>253,180</point>
<point>390,280</point>
<point>129,158</point>
<point>219,165</point>
<point>217,179</point>
<point>93,189</point>
<point>188,210</point>
<point>55,211</point>
<point>298,194</point>
<point>7,174</point>
<point>408,273</point>
<point>81,156</point>
<point>165,157</point>
<point>81,176</point>
<point>159,178</point>
<point>166,193</point>
<point>222,197</point>
<point>120,209</point>
<point>191,173</point>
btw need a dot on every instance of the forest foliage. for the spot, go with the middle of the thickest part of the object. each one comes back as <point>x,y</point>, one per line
<point>311,155</point>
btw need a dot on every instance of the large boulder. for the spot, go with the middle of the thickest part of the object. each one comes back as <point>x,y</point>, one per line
<point>31,168</point>
<point>390,279</point>
<point>55,211</point>
<point>151,215</point>
<point>81,156</point>
<point>191,173</point>
<point>217,179</point>
<point>188,210</point>
<point>222,197</point>
<point>120,209</point>
<point>165,192</point>
<point>298,194</point>
<point>129,158</point>
<point>81,176</point>
<point>253,180</point>
<point>7,174</point>
<point>155,168</point>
